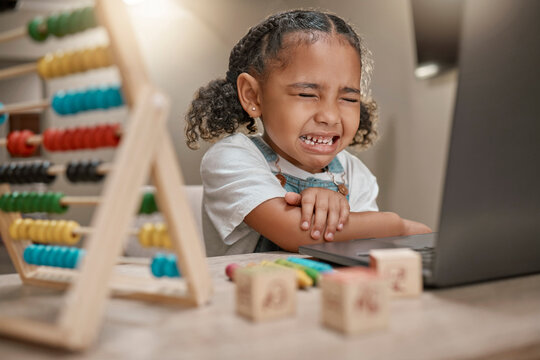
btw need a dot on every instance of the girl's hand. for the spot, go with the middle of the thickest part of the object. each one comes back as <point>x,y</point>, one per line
<point>327,210</point>
<point>414,228</point>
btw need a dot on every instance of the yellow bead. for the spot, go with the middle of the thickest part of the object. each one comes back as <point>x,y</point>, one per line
<point>87,59</point>
<point>49,232</point>
<point>41,226</point>
<point>44,66</point>
<point>103,56</point>
<point>66,63</point>
<point>14,229</point>
<point>77,62</point>
<point>145,235</point>
<point>23,230</point>
<point>58,230</point>
<point>69,237</point>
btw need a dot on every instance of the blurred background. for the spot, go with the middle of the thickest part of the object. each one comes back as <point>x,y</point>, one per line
<point>185,44</point>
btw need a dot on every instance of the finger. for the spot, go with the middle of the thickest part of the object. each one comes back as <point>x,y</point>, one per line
<point>308,203</point>
<point>332,220</point>
<point>321,212</point>
<point>343,215</point>
<point>293,199</point>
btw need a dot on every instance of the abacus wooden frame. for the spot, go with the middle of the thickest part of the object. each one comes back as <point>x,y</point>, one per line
<point>90,287</point>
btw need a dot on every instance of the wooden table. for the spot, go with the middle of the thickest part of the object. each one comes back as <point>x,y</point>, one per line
<point>496,320</point>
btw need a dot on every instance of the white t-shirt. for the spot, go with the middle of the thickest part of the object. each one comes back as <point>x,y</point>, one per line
<point>237,178</point>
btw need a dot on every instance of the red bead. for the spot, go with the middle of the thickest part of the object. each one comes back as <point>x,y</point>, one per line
<point>101,135</point>
<point>68,139</point>
<point>111,137</point>
<point>78,137</point>
<point>24,148</point>
<point>87,137</point>
<point>47,138</point>
<point>12,140</point>
<point>57,139</point>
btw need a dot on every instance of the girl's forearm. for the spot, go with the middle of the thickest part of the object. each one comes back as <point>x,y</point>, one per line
<point>280,222</point>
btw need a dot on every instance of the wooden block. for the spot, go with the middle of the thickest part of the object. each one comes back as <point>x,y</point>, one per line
<point>264,293</point>
<point>401,267</point>
<point>354,300</point>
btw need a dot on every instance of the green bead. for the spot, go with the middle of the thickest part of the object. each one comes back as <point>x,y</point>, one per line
<point>23,202</point>
<point>47,202</point>
<point>10,207</point>
<point>56,206</point>
<point>38,204</point>
<point>88,18</point>
<point>52,24</point>
<point>32,201</point>
<point>37,29</point>
<point>3,201</point>
<point>63,24</point>
<point>74,21</point>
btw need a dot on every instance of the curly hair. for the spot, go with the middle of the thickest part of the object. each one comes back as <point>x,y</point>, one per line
<point>216,110</point>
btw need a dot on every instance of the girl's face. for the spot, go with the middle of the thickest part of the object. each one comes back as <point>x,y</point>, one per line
<point>311,107</point>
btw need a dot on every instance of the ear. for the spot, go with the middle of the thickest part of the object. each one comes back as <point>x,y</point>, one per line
<point>249,94</point>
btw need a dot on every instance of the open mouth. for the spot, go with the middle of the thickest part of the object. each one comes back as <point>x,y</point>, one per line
<point>319,140</point>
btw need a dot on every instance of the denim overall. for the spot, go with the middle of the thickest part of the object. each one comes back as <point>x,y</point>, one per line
<point>293,184</point>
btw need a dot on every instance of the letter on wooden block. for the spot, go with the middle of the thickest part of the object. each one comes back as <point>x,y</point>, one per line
<point>401,267</point>
<point>354,300</point>
<point>264,293</point>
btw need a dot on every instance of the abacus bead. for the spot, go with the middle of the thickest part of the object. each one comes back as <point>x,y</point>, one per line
<point>65,63</point>
<point>37,29</point>
<point>78,138</point>
<point>61,258</point>
<point>10,204</point>
<point>145,235</point>
<point>25,227</point>
<point>71,171</point>
<point>23,202</point>
<point>71,258</point>
<point>14,228</point>
<point>100,98</point>
<point>54,257</point>
<point>4,116</point>
<point>80,256</point>
<point>24,148</point>
<point>39,232</point>
<point>171,269</point>
<point>68,237</point>
<point>45,176</point>
<point>45,258</point>
<point>89,19</point>
<point>63,20</point>
<point>58,208</point>
<point>74,21</point>
<point>59,230</point>
<point>78,101</point>
<point>57,140</point>
<point>12,141</point>
<point>93,171</point>
<point>28,255</point>
<point>158,264</point>
<point>3,201</point>
<point>43,66</point>
<point>102,57</point>
<point>52,24</point>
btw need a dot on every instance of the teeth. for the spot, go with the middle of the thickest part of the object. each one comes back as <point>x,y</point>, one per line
<point>312,140</point>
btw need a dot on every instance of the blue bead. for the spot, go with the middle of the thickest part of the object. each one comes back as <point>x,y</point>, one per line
<point>58,102</point>
<point>80,256</point>
<point>28,254</point>
<point>118,98</point>
<point>78,102</point>
<point>45,258</point>
<point>100,99</point>
<point>90,99</point>
<point>3,117</point>
<point>71,258</point>
<point>171,268</point>
<point>158,265</point>
<point>61,256</point>
<point>35,253</point>
<point>69,103</point>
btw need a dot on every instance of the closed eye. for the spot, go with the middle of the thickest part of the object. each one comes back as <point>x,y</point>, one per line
<point>351,100</point>
<point>306,95</point>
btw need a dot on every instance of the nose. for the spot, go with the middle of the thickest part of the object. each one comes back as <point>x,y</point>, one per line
<point>328,113</point>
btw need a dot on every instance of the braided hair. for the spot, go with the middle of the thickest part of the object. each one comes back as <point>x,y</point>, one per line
<point>216,110</point>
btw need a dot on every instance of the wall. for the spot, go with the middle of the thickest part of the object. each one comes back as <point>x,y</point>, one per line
<point>187,43</point>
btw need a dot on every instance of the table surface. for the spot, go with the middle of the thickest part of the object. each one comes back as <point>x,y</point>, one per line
<point>495,320</point>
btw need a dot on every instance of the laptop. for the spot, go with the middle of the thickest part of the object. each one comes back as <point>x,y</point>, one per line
<point>489,225</point>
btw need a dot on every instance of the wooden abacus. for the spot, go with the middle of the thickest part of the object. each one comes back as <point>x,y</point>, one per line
<point>89,286</point>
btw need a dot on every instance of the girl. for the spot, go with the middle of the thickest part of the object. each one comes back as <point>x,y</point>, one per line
<point>305,75</point>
